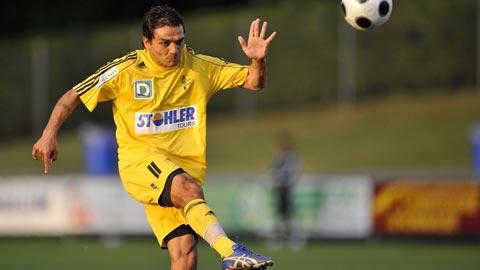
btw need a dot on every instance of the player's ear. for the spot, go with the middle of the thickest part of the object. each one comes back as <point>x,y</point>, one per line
<point>146,42</point>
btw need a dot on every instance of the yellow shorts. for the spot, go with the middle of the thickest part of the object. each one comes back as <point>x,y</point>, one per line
<point>144,180</point>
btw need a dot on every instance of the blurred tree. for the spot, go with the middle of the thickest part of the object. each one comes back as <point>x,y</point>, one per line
<point>418,51</point>
<point>25,15</point>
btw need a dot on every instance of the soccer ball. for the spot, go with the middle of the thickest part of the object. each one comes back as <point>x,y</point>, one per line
<point>366,14</point>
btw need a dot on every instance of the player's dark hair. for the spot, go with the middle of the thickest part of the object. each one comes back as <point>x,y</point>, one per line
<point>159,16</point>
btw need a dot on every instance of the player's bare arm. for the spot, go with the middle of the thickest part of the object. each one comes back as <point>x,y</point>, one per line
<point>46,148</point>
<point>256,48</point>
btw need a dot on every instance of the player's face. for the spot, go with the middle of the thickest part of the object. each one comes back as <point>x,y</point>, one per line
<point>166,45</point>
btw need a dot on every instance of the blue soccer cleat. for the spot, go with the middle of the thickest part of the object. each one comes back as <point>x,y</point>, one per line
<point>243,258</point>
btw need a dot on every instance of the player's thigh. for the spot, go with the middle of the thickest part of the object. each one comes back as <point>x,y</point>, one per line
<point>183,253</point>
<point>145,179</point>
<point>181,247</point>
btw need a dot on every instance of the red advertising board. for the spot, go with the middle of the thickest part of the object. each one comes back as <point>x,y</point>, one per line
<point>416,207</point>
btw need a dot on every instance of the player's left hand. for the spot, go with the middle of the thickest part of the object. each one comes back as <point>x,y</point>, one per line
<point>256,46</point>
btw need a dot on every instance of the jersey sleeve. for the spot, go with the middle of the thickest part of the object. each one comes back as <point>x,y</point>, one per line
<point>225,75</point>
<point>103,84</point>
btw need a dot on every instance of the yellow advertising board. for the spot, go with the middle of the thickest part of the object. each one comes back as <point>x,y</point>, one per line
<point>416,207</point>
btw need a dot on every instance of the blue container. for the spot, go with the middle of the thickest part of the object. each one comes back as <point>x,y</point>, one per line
<point>99,149</point>
<point>476,151</point>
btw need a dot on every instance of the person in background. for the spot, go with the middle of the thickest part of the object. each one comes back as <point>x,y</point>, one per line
<point>285,171</point>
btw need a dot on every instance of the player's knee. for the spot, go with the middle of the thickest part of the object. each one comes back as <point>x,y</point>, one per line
<point>188,187</point>
<point>185,189</point>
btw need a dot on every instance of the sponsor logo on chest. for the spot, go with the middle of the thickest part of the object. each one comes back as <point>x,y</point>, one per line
<point>166,121</point>
<point>143,89</point>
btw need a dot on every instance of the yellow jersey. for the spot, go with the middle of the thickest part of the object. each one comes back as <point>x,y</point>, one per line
<point>161,110</point>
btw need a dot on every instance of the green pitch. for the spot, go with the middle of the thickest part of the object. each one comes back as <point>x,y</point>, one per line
<point>143,253</point>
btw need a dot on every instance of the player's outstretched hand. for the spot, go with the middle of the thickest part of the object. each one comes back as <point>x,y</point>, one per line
<point>45,149</point>
<point>256,46</point>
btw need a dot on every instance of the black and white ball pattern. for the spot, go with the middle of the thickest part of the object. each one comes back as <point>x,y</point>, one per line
<point>366,14</point>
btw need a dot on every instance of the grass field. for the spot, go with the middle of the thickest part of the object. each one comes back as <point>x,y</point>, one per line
<point>423,133</point>
<point>408,134</point>
<point>141,254</point>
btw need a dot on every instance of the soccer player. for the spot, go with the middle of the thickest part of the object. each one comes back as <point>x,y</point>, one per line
<point>159,97</point>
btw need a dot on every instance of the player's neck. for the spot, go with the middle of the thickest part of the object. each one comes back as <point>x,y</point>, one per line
<point>158,66</point>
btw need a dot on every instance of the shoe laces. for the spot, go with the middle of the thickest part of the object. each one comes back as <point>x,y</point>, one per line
<point>241,247</point>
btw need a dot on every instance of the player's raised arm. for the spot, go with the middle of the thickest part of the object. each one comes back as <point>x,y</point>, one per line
<point>46,148</point>
<point>256,48</point>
